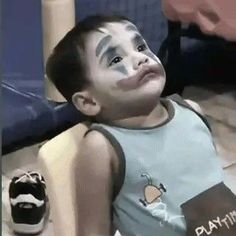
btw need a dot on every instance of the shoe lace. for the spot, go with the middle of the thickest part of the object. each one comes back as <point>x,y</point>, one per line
<point>32,176</point>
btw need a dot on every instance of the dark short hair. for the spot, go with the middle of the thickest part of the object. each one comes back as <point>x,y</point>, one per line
<point>65,66</point>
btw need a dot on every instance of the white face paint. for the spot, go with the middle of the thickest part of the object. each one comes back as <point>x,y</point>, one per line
<point>121,67</point>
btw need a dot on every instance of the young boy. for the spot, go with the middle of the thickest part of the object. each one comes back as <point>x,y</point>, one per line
<point>147,165</point>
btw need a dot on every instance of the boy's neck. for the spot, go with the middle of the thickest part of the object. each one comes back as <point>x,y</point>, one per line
<point>156,116</point>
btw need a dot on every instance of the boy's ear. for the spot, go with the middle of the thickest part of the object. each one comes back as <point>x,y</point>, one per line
<point>86,103</point>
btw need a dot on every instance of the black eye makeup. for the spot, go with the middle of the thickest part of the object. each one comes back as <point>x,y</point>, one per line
<point>109,55</point>
<point>115,60</point>
<point>112,56</point>
<point>142,47</point>
<point>121,68</point>
<point>139,43</point>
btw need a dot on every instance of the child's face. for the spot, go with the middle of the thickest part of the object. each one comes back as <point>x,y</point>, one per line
<point>121,67</point>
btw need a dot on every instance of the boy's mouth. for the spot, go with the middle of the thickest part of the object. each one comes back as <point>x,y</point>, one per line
<point>145,74</point>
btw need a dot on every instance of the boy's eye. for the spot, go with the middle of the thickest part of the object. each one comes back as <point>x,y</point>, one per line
<point>115,60</point>
<point>142,47</point>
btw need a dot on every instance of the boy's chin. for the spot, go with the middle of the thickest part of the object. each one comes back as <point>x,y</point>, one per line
<point>152,88</point>
<point>155,82</point>
<point>147,98</point>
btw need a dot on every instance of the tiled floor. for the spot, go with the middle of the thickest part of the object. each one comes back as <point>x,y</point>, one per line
<point>14,164</point>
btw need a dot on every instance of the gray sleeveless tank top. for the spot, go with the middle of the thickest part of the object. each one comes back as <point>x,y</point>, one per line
<point>164,167</point>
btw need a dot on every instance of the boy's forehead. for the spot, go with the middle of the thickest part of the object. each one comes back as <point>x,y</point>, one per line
<point>114,28</point>
<point>105,35</point>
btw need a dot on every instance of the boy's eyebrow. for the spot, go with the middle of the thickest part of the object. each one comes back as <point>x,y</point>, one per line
<point>137,39</point>
<point>102,43</point>
<point>131,27</point>
<point>110,53</point>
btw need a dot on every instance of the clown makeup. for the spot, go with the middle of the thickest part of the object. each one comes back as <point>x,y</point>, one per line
<point>113,54</point>
<point>131,27</point>
<point>122,70</point>
<point>142,46</point>
<point>104,41</point>
<point>121,67</point>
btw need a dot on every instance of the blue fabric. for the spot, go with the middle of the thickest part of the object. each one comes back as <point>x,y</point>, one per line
<point>20,111</point>
<point>29,118</point>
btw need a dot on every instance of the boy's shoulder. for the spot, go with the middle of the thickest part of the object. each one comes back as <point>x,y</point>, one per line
<point>95,139</point>
<point>97,144</point>
<point>187,103</point>
<point>194,105</point>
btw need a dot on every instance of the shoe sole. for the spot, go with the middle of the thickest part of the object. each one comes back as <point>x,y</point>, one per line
<point>27,228</point>
<point>34,229</point>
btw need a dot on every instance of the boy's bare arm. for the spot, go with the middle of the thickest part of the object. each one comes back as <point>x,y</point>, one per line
<point>94,186</point>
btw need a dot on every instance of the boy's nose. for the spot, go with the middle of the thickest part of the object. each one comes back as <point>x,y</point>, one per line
<point>140,61</point>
